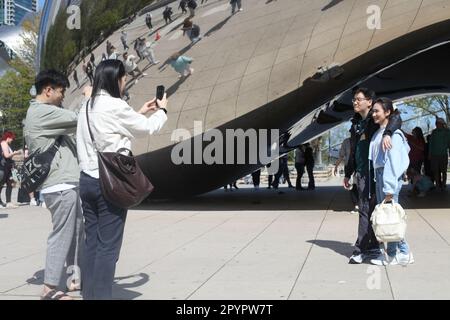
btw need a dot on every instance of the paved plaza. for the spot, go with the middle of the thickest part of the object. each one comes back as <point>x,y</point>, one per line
<point>245,244</point>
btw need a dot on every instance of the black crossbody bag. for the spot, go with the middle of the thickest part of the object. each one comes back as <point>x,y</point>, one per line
<point>37,167</point>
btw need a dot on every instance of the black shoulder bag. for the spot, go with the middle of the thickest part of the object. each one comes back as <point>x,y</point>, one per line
<point>37,167</point>
<point>121,179</point>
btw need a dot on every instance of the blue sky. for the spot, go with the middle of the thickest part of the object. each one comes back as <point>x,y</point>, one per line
<point>40,4</point>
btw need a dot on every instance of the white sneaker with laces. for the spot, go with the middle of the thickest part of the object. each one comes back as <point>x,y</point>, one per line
<point>381,260</point>
<point>402,259</point>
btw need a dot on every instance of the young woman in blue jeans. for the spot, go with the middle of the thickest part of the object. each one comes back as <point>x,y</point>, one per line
<point>389,167</point>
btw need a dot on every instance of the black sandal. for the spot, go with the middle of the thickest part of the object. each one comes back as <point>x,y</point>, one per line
<point>54,295</point>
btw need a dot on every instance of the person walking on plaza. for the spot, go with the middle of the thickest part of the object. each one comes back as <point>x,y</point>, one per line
<point>123,38</point>
<point>389,167</point>
<point>146,51</point>
<point>438,153</point>
<point>148,21</point>
<point>131,66</point>
<point>167,14</point>
<point>6,166</point>
<point>181,64</point>
<point>192,30</point>
<point>192,5</point>
<point>362,129</point>
<point>46,123</point>
<point>75,78</point>
<point>299,166</point>
<point>114,124</point>
<point>182,6</point>
<point>309,163</point>
<point>92,59</point>
<point>283,170</point>
<point>89,70</point>
<point>234,4</point>
<point>416,143</point>
<point>256,178</point>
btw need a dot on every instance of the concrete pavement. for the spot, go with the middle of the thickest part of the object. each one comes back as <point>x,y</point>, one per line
<point>245,244</point>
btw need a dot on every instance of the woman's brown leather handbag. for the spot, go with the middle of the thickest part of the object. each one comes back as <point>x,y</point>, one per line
<point>121,179</point>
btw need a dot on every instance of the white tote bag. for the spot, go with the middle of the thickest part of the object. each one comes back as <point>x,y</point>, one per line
<point>389,222</point>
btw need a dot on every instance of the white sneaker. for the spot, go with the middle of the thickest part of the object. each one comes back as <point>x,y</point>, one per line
<point>144,74</point>
<point>43,205</point>
<point>356,259</point>
<point>402,259</point>
<point>11,205</point>
<point>381,260</point>
<point>33,202</point>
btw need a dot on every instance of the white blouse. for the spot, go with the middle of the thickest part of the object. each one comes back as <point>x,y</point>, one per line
<point>113,123</point>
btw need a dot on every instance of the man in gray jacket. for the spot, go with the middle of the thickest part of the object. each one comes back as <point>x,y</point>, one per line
<point>46,120</point>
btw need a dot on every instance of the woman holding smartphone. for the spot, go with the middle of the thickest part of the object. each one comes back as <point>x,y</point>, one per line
<point>113,123</point>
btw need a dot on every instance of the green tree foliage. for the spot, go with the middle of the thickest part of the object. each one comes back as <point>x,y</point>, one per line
<point>98,18</point>
<point>431,105</point>
<point>15,85</point>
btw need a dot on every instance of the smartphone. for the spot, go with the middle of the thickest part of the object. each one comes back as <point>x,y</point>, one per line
<point>160,92</point>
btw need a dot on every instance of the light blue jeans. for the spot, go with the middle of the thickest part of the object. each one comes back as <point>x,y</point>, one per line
<point>402,246</point>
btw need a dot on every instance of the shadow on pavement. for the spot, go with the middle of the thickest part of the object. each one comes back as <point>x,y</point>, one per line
<point>3,215</point>
<point>120,291</point>
<point>330,198</point>
<point>343,248</point>
<point>331,4</point>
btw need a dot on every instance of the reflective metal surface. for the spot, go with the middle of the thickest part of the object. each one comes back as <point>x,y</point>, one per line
<point>288,64</point>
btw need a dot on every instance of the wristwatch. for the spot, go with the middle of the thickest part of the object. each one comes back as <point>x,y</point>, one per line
<point>163,109</point>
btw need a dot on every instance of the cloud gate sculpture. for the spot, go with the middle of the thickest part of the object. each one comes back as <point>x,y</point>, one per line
<point>289,65</point>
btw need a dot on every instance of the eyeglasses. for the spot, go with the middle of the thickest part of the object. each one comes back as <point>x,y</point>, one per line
<point>359,99</point>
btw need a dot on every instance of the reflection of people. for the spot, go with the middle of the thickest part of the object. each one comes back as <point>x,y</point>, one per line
<point>131,66</point>
<point>191,6</point>
<point>181,64</point>
<point>6,166</point>
<point>114,55</point>
<point>235,3</point>
<point>90,72</point>
<point>182,6</point>
<point>192,30</point>
<point>148,21</point>
<point>389,167</point>
<point>438,153</point>
<point>123,38</point>
<point>75,77</point>
<point>167,14</point>
<point>114,124</point>
<point>146,51</point>
<point>93,60</point>
<point>47,121</point>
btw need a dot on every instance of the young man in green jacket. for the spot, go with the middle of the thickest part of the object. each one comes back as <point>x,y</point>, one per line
<point>45,121</point>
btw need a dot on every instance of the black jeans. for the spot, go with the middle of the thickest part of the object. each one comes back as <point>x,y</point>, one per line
<point>300,167</point>
<point>104,224</point>
<point>256,177</point>
<point>366,242</point>
<point>310,170</point>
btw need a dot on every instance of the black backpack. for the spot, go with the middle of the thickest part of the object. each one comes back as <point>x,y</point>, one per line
<point>37,167</point>
<point>192,4</point>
